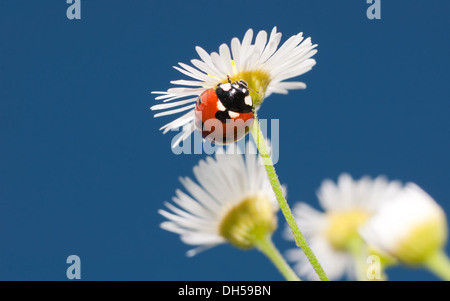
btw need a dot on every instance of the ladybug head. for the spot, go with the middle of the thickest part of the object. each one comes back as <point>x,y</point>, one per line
<point>240,81</point>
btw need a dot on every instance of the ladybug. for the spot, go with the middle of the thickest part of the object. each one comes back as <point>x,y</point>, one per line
<point>224,114</point>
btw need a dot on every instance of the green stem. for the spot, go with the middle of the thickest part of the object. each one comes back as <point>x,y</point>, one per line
<point>439,264</point>
<point>267,247</point>
<point>276,186</point>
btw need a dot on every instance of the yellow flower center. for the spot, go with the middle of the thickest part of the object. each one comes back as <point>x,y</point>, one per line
<point>423,241</point>
<point>249,221</point>
<point>258,81</point>
<point>343,227</point>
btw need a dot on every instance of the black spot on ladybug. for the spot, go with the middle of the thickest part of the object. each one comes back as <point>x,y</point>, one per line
<point>199,100</point>
<point>222,116</point>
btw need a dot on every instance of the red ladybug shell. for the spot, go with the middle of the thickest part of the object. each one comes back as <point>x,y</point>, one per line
<point>218,124</point>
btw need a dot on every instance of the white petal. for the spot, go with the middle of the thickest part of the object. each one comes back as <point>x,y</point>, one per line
<point>260,42</point>
<point>236,51</point>
<point>180,121</point>
<point>170,112</point>
<point>207,59</point>
<point>183,82</point>
<point>164,106</point>
<point>290,85</point>
<point>245,48</point>
<point>200,249</point>
<point>274,41</point>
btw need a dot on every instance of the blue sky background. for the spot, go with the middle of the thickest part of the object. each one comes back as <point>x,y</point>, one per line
<point>84,169</point>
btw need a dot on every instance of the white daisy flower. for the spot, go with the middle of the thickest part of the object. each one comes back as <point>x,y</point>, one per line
<point>263,65</point>
<point>233,202</point>
<point>411,227</point>
<point>347,204</point>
